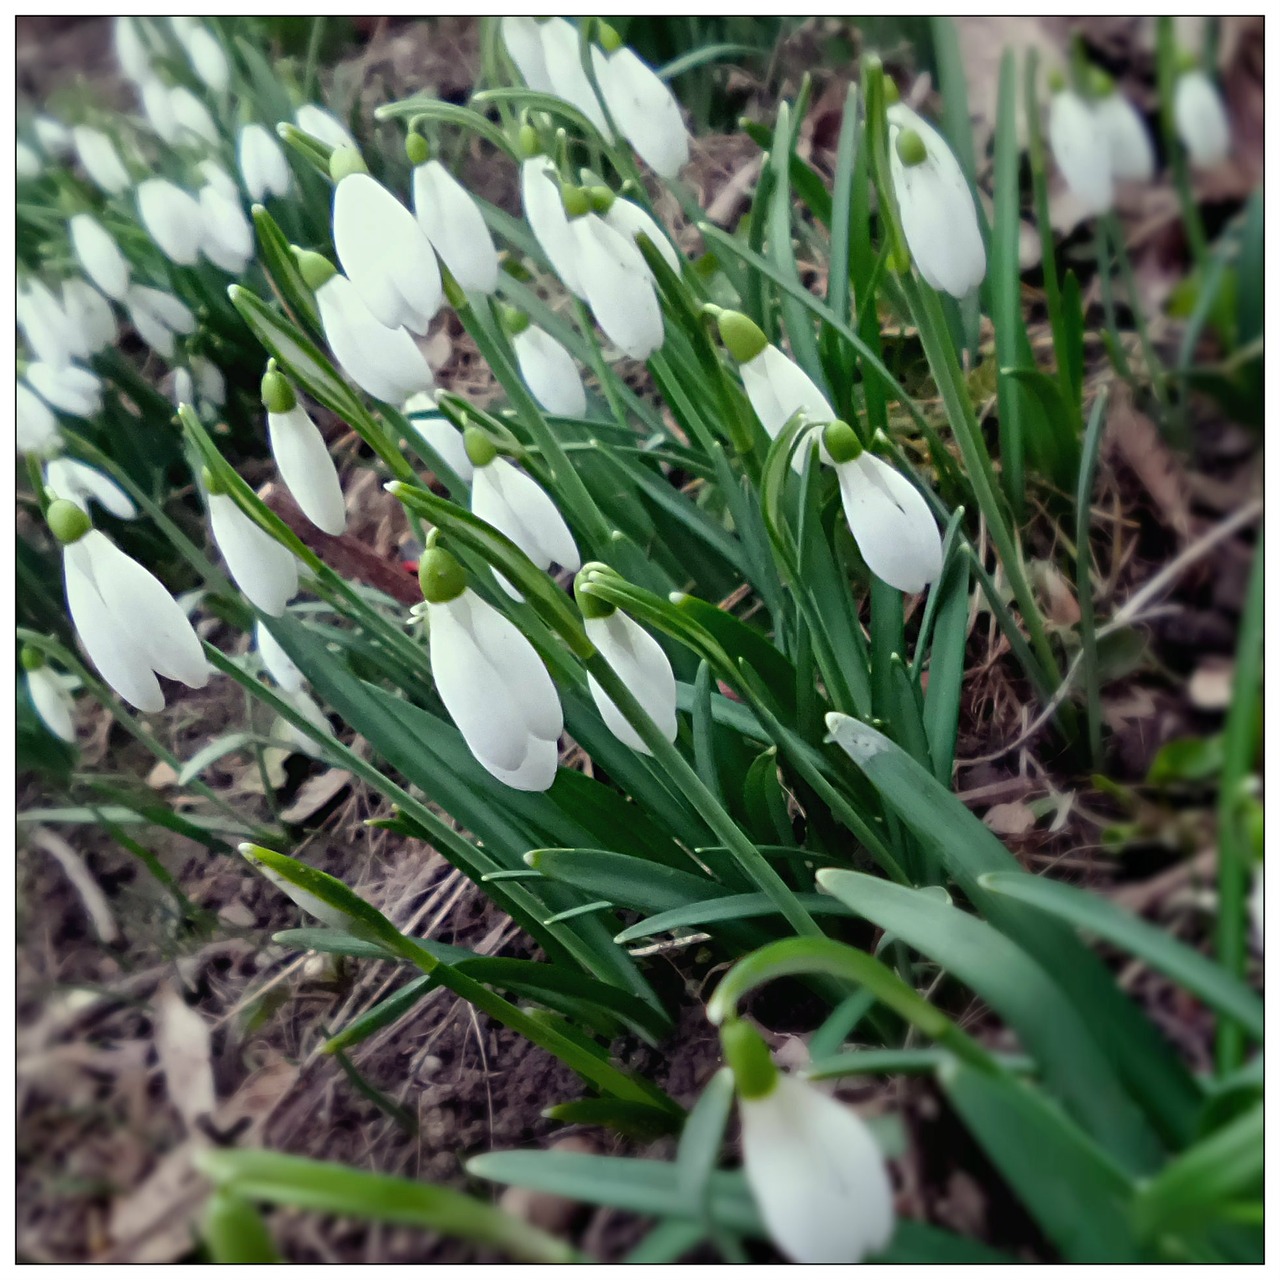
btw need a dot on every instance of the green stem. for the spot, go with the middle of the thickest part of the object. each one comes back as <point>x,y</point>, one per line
<point>1166,80</point>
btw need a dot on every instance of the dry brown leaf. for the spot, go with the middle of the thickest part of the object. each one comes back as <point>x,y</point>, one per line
<point>91,896</point>
<point>1060,604</point>
<point>162,775</point>
<point>1134,437</point>
<point>315,793</point>
<point>1012,819</point>
<point>185,1051</point>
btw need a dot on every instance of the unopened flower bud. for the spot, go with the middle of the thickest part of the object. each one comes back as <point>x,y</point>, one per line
<point>66,521</point>
<point>277,394</point>
<point>440,576</point>
<point>841,441</point>
<point>417,149</point>
<point>743,338</point>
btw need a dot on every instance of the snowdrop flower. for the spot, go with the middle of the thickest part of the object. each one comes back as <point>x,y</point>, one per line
<point>636,658</point>
<point>67,387</point>
<point>131,50</point>
<point>615,279</point>
<point>384,362</point>
<point>641,106</point>
<point>44,324</point>
<point>490,679</point>
<point>517,506</point>
<point>53,136</point>
<point>320,124</point>
<point>382,249</point>
<point>194,120</point>
<point>210,385</point>
<point>208,59</point>
<point>439,434</point>
<point>49,695</point>
<point>1133,158</point>
<point>309,902</point>
<point>91,315</point>
<point>295,737</point>
<point>301,455</point>
<point>544,211</point>
<point>131,628</point>
<point>562,55</point>
<point>157,106</point>
<point>630,220</point>
<point>1079,142</point>
<point>100,160</point>
<point>37,427</point>
<point>262,568</point>
<point>1201,119</point>
<point>228,233</point>
<point>1255,906</point>
<point>28,162</point>
<point>173,219</point>
<point>452,222</point>
<point>939,218</point>
<point>158,316</point>
<point>889,519</point>
<point>80,483</point>
<point>279,666</point>
<point>263,164</point>
<point>546,367</point>
<point>99,255</point>
<point>815,1172</point>
<point>524,44</point>
<point>216,176</point>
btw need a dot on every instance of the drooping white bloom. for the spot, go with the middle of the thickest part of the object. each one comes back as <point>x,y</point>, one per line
<point>778,389</point>
<point>385,362</point>
<point>53,136</point>
<point>100,256</point>
<point>53,702</point>
<point>90,313</point>
<point>27,161</point>
<point>307,469</point>
<point>37,428</point>
<point>643,107</point>
<point>497,691</point>
<point>100,160</point>
<point>228,233</point>
<point>217,177</point>
<point>208,59</point>
<point>309,902</point>
<point>173,219</point>
<point>158,316</point>
<point>549,372</point>
<point>517,506</point>
<point>320,124</point>
<point>453,223</point>
<point>131,628</point>
<point>195,123</point>
<point>67,387</point>
<point>939,218</point>
<point>210,385</point>
<point>263,164</point>
<point>439,434</point>
<point>1201,119</point>
<point>618,287</point>
<point>638,660</point>
<point>524,44</point>
<point>281,668</point>
<point>385,254</point>
<point>816,1174</point>
<point>630,220</point>
<point>157,106</point>
<point>131,50</point>
<point>80,483</point>
<point>293,736</point>
<point>543,210</point>
<point>562,55</point>
<point>1133,158</point>
<point>45,326</point>
<point>1080,147</point>
<point>262,568</point>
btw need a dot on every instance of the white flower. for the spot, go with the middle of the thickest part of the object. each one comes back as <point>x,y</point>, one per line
<point>210,385</point>
<point>543,210</point>
<point>311,904</point>
<point>131,51</point>
<point>644,109</point>
<point>939,218</point>
<point>228,233</point>
<point>67,387</point>
<point>1079,143</point>
<point>320,124</point>
<point>618,287</point>
<point>439,434</point>
<point>639,662</point>
<point>1201,119</point>
<point>562,55</point>
<point>52,701</point>
<point>816,1174</point>
<point>263,164</point>
<point>549,372</point>
<point>282,669</point>
<point>208,59</point>
<point>99,159</point>
<point>307,469</point>
<point>100,256</point>
<point>263,568</point>
<point>194,120</point>
<point>1133,159</point>
<point>453,223</point>
<point>37,428</point>
<point>157,106</point>
<point>90,313</point>
<point>385,362</point>
<point>524,44</point>
<point>217,177</point>
<point>157,316</point>
<point>131,628</point>
<point>778,389</point>
<point>517,506</point>
<point>1255,906</point>
<point>27,161</point>
<point>295,737</point>
<point>385,254</point>
<point>53,136</point>
<point>631,220</point>
<point>45,326</point>
<point>173,220</point>
<point>80,483</point>
<point>494,685</point>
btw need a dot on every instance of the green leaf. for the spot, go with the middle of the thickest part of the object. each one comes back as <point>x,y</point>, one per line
<point>234,1232</point>
<point>892,1062</point>
<point>632,1119</point>
<point>738,906</point>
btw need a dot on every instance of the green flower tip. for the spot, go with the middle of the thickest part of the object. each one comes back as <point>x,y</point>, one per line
<point>1057,80</point>
<point>1186,61</point>
<point>440,576</point>
<point>891,94</point>
<point>316,269</point>
<point>417,149</point>
<point>591,606</point>
<point>742,337</point>
<point>601,199</point>
<point>31,659</point>
<point>66,521</point>
<point>608,38</point>
<point>277,394</point>
<point>212,485</point>
<point>514,321</point>
<point>528,141</point>
<point>1101,85</point>
<point>576,202</point>
<point>911,148</point>
<point>344,161</point>
<point>842,441</point>
<point>749,1059</point>
<point>480,449</point>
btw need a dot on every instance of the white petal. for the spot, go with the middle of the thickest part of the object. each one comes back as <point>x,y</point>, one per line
<point>52,337</point>
<point>96,320</point>
<point>54,136</point>
<point>644,109</point>
<point>99,160</point>
<point>778,389</point>
<point>311,904</point>
<point>816,1174</point>
<point>452,221</point>
<point>28,164</point>
<point>524,44</point>
<point>618,287</point>
<point>891,523</point>
<point>157,106</point>
<point>1201,119</point>
<point>172,218</point>
<point>262,568</point>
<point>310,710</point>
<point>263,163</point>
<point>168,310</point>
<point>282,669</point>
<point>562,51</point>
<point>53,704</point>
<point>212,385</point>
<point>516,505</point>
<point>208,59</point>
<point>631,220</point>
<point>442,436</point>
<point>321,124</point>
<point>194,120</point>
<point>638,660</point>
<point>307,469</point>
<point>131,52</point>
<point>80,483</point>
<point>540,194</point>
<point>37,427</point>
<point>550,373</point>
<point>385,254</point>
<point>67,387</point>
<point>228,233</point>
<point>1079,146</point>
<point>1133,158</point>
